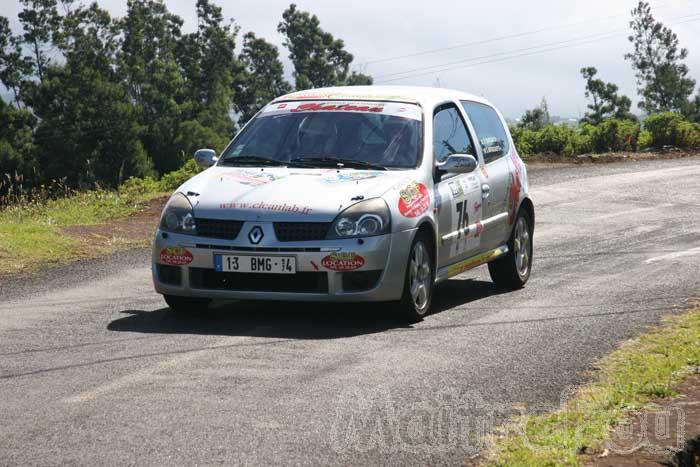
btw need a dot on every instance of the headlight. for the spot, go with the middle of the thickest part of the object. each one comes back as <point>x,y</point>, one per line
<point>178,216</point>
<point>365,219</point>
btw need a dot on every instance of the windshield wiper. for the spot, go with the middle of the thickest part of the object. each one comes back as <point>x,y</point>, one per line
<point>252,160</point>
<point>259,160</point>
<point>337,162</point>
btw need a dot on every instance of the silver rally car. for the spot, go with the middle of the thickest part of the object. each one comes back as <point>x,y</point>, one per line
<point>350,194</point>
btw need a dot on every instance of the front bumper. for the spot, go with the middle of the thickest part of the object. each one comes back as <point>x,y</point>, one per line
<point>385,258</point>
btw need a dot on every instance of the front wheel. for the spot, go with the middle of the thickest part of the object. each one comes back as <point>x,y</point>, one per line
<point>186,304</point>
<point>513,270</point>
<point>419,278</point>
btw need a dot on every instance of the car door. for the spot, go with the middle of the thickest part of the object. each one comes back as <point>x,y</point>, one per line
<point>496,173</point>
<point>459,195</point>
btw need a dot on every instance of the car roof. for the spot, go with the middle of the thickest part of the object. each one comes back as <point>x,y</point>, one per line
<point>425,96</point>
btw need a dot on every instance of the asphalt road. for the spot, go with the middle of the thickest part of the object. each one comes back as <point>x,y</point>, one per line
<point>95,370</point>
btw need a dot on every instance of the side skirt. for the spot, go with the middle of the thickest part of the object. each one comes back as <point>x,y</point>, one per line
<point>470,263</point>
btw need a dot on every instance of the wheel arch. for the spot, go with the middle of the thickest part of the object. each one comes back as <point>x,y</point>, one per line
<point>431,232</point>
<point>528,207</point>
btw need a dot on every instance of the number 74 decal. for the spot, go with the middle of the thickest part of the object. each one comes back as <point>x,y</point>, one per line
<point>462,218</point>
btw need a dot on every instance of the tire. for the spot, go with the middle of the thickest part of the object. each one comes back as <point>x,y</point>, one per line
<point>513,270</point>
<point>186,304</point>
<point>418,282</point>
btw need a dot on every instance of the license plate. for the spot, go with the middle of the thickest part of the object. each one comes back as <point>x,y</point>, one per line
<point>257,264</point>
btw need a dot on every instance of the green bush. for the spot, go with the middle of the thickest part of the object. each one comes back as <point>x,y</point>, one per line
<point>663,128</point>
<point>522,140</point>
<point>135,187</point>
<point>671,129</point>
<point>172,180</point>
<point>557,139</point>
<point>615,135</point>
<point>612,135</point>
<point>688,135</point>
<point>645,140</point>
<point>552,139</point>
<point>582,143</point>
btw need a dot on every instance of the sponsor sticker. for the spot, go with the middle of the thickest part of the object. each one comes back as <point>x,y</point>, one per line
<point>320,107</point>
<point>263,206</point>
<point>470,263</point>
<point>341,177</point>
<point>479,228</point>
<point>414,200</point>
<point>457,189</point>
<point>493,149</point>
<point>175,256</point>
<point>516,185</point>
<point>345,96</point>
<point>353,106</point>
<point>250,177</point>
<point>343,261</point>
<point>491,145</point>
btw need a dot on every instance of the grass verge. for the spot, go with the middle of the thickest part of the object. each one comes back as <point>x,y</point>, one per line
<point>31,235</point>
<point>33,232</point>
<point>642,369</point>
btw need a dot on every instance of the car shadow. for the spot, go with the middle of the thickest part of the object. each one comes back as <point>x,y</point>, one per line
<point>294,320</point>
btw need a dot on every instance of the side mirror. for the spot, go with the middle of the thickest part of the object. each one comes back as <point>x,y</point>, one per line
<point>459,164</point>
<point>205,157</point>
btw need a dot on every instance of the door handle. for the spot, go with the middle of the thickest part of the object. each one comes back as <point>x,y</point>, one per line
<point>485,191</point>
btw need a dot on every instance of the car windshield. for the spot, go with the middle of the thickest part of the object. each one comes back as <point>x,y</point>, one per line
<point>314,134</point>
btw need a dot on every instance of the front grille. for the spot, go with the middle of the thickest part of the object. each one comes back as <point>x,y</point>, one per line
<point>301,231</point>
<point>301,282</point>
<point>217,228</point>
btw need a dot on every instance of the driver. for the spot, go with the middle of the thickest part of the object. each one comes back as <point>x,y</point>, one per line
<point>317,136</point>
<point>398,135</point>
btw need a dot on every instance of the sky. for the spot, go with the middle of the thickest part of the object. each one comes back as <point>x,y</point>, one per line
<point>511,52</point>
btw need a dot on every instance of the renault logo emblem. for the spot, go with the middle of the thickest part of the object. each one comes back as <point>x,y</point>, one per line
<point>255,235</point>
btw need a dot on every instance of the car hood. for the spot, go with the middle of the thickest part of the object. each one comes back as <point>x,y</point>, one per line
<point>285,194</point>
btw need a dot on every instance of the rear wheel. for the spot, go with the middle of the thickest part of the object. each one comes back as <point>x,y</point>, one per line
<point>186,304</point>
<point>513,270</point>
<point>418,284</point>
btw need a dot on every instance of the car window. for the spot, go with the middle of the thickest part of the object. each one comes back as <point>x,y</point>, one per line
<point>450,135</point>
<point>489,130</point>
<point>380,133</point>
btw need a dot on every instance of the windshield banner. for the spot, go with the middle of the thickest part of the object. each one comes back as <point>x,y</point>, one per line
<point>396,109</point>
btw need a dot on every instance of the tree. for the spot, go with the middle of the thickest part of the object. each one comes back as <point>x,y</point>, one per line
<point>88,131</point>
<point>657,60</point>
<point>13,68</point>
<point>606,103</point>
<point>98,99</point>
<point>40,21</point>
<point>537,118</point>
<point>154,82</point>
<point>263,77</point>
<point>693,110</point>
<point>16,145</point>
<point>319,59</point>
<point>210,69</point>
<point>358,79</point>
